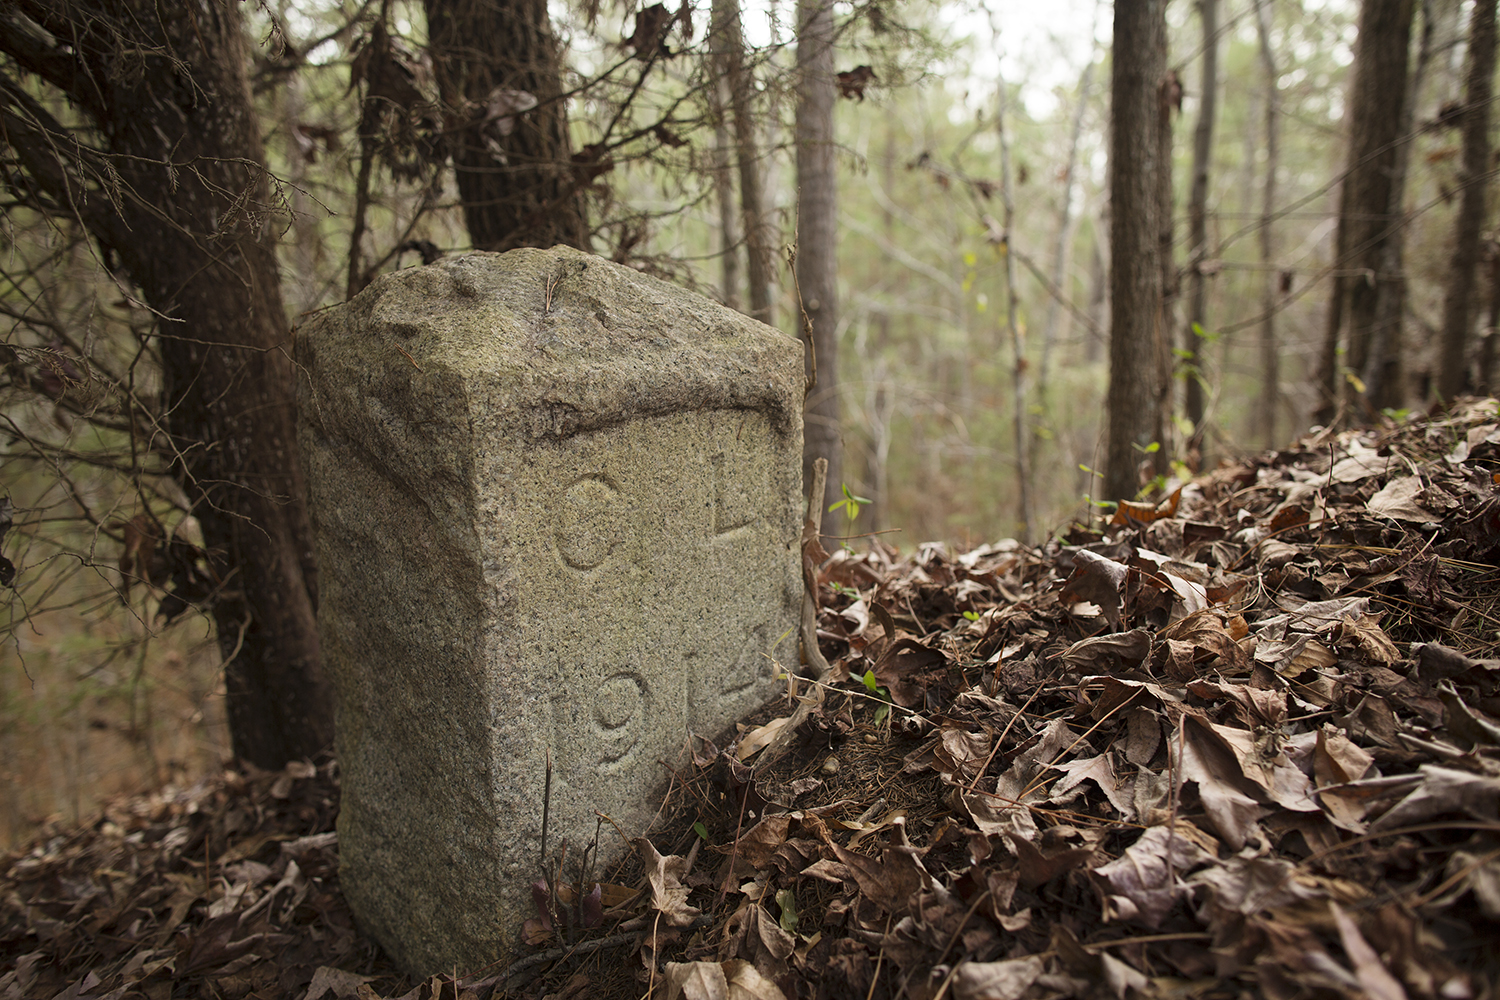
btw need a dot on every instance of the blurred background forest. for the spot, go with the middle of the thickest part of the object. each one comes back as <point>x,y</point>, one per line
<point>972,283</point>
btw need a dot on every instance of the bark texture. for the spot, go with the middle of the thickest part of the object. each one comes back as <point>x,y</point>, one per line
<point>1019,380</point>
<point>515,171</point>
<point>1136,307</point>
<point>1270,359</point>
<point>817,240</point>
<point>176,191</point>
<point>1459,303</point>
<point>760,237</point>
<point>1203,138</point>
<point>1363,318</point>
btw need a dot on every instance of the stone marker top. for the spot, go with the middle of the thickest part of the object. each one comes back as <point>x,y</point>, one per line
<point>582,314</point>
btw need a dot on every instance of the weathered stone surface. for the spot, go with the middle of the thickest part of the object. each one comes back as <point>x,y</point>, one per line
<point>556,506</point>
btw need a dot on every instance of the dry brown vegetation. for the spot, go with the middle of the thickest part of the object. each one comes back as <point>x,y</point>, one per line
<point>1241,744</point>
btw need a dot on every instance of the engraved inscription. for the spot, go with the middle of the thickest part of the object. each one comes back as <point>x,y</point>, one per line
<point>732,507</point>
<point>586,522</point>
<point>619,703</point>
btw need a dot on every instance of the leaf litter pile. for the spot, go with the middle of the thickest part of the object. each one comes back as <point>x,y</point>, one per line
<point>1243,743</point>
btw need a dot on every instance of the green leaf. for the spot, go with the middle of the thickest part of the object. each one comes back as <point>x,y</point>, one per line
<point>701,831</point>
<point>881,713</point>
<point>973,616</point>
<point>870,682</point>
<point>787,900</point>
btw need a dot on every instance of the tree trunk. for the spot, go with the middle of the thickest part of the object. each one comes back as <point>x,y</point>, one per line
<point>1367,228</point>
<point>1203,139</point>
<point>729,228</point>
<point>1136,304</point>
<point>1270,360</point>
<point>1021,436</point>
<point>817,240</point>
<point>1066,224</point>
<point>515,173</point>
<point>1169,100</point>
<point>185,208</point>
<point>729,48</point>
<point>1458,306</point>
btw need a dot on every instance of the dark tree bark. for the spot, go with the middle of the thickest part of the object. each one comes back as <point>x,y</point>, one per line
<point>1019,378</point>
<point>1459,304</point>
<point>817,240</point>
<point>1366,291</point>
<point>1169,101</point>
<point>729,53</point>
<point>1485,382</point>
<point>1270,359</point>
<point>1136,304</point>
<point>515,173</point>
<point>176,191</point>
<point>729,224</point>
<point>1203,138</point>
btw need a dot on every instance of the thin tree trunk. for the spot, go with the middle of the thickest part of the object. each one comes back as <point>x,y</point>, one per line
<point>1377,100</point>
<point>515,173</point>
<point>1203,138</point>
<point>1458,305</point>
<point>187,217</point>
<point>882,400</point>
<point>1486,363</point>
<point>729,230</point>
<point>1066,227</point>
<point>759,235</point>
<point>1384,369</point>
<point>1136,303</point>
<point>817,240</point>
<point>1021,436</point>
<point>1169,97</point>
<point>1270,359</point>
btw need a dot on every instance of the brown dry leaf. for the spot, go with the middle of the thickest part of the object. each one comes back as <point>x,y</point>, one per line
<point>1445,790</point>
<point>1208,763</point>
<point>335,982</point>
<point>1365,632</point>
<point>1374,978</point>
<point>1212,634</point>
<point>746,982</point>
<point>696,981</point>
<point>890,881</point>
<point>1479,874</point>
<point>1102,968</point>
<point>1103,652</point>
<point>1098,581</point>
<point>1337,759</point>
<point>1100,770</point>
<point>760,737</point>
<point>1144,513</point>
<point>1007,980</point>
<point>960,756</point>
<point>900,666</point>
<point>1040,863</point>
<point>1261,760</point>
<point>1398,499</point>
<point>668,894</point>
<point>1465,722</point>
<point>1254,706</point>
<point>1145,882</point>
<point>1243,886</point>
<point>757,844</point>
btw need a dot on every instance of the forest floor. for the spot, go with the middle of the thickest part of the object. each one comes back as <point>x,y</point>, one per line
<point>1246,743</point>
